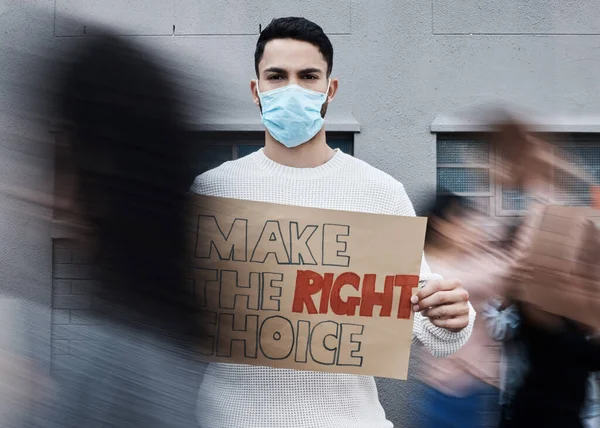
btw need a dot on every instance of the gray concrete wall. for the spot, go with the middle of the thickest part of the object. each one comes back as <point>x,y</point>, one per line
<point>26,170</point>
<point>400,64</point>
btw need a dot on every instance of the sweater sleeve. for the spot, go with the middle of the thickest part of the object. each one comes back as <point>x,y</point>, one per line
<point>439,341</point>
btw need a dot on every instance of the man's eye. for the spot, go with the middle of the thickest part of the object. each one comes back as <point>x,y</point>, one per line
<point>275,77</point>
<point>310,77</point>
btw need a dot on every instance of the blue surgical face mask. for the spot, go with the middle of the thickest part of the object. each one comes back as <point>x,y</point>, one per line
<point>292,114</point>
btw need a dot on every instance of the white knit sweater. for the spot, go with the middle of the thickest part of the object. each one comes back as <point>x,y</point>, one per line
<point>243,396</point>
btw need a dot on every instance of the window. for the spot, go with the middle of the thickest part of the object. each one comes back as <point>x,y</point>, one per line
<point>586,153</point>
<point>464,162</point>
<point>463,167</point>
<point>218,147</point>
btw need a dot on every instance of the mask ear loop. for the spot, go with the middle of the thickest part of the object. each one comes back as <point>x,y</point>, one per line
<point>257,89</point>
<point>327,91</point>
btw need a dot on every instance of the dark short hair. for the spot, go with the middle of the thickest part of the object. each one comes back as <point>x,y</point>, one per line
<point>298,29</point>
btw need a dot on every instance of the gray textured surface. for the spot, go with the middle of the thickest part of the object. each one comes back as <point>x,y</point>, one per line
<point>25,163</point>
<point>516,17</point>
<point>139,17</point>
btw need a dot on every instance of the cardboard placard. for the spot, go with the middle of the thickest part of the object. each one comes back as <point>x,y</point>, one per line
<point>595,191</point>
<point>559,266</point>
<point>305,288</point>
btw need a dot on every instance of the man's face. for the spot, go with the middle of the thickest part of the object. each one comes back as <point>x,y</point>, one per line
<point>289,61</point>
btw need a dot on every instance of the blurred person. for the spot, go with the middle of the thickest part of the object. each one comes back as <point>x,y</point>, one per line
<point>560,358</point>
<point>559,353</point>
<point>292,90</point>
<point>591,408</point>
<point>502,319</point>
<point>122,177</point>
<point>457,387</point>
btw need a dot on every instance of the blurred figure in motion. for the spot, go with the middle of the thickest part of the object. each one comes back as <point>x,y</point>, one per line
<point>591,407</point>
<point>560,353</point>
<point>547,360</point>
<point>122,178</point>
<point>560,358</point>
<point>457,387</point>
<point>502,321</point>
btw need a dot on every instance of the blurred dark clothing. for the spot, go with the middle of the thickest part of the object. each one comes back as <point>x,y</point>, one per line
<point>131,175</point>
<point>554,389</point>
<point>131,362</point>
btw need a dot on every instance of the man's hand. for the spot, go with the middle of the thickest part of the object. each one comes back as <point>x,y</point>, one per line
<point>445,302</point>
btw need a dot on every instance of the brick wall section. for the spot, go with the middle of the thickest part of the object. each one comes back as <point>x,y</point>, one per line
<point>72,294</point>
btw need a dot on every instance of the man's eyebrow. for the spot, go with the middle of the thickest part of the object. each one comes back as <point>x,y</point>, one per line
<point>275,70</point>
<point>310,70</point>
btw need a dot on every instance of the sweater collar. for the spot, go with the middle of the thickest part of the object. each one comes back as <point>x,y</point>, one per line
<point>333,164</point>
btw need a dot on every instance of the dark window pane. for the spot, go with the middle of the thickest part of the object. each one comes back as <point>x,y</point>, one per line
<point>344,143</point>
<point>246,149</point>
<point>463,152</point>
<point>573,191</point>
<point>214,148</point>
<point>570,191</point>
<point>463,180</point>
<point>209,157</point>
<point>514,199</point>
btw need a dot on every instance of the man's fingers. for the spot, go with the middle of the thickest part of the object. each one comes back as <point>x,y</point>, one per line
<point>455,324</point>
<point>447,311</point>
<point>458,295</point>
<point>435,286</point>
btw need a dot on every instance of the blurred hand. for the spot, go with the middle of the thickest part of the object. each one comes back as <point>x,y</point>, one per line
<point>445,302</point>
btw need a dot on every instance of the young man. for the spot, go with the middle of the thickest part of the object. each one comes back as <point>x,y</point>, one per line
<point>293,61</point>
